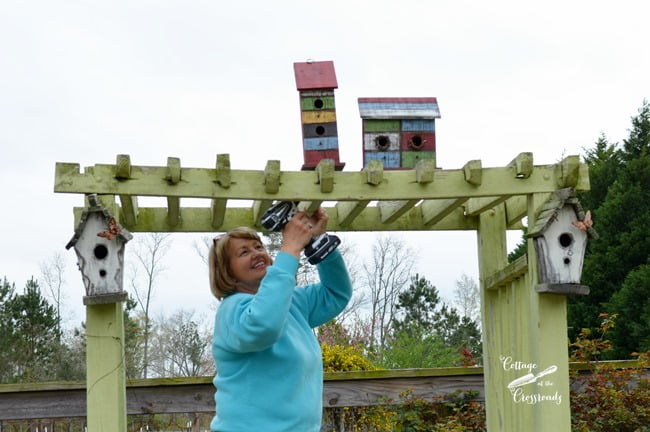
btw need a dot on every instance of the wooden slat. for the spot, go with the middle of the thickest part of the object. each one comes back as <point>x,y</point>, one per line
<point>123,167</point>
<point>567,172</point>
<point>522,165</point>
<point>272,176</point>
<point>348,211</point>
<point>196,394</point>
<point>199,219</point>
<point>375,184</point>
<point>476,206</point>
<point>473,171</point>
<point>222,176</point>
<point>424,171</point>
<point>325,171</point>
<point>512,271</point>
<point>173,177</point>
<point>433,211</point>
<point>374,172</point>
<point>390,211</point>
<point>222,169</point>
<point>258,208</point>
<point>129,215</point>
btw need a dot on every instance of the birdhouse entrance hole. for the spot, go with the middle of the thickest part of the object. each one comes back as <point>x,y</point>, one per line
<point>382,142</point>
<point>416,142</point>
<point>318,103</point>
<point>100,251</point>
<point>320,130</point>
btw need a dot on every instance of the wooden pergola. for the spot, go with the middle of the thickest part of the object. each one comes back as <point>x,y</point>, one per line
<point>524,331</point>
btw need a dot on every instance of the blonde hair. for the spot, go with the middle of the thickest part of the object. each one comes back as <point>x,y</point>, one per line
<point>222,283</point>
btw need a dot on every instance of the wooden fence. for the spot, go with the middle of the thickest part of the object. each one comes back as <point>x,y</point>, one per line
<point>195,395</point>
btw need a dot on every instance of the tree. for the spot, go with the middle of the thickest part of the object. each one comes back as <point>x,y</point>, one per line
<point>149,252</point>
<point>467,298</point>
<point>428,333</point>
<point>7,336</point>
<point>417,307</point>
<point>34,336</point>
<point>386,277</point>
<point>53,275</point>
<point>631,334</point>
<point>182,347</point>
<point>621,214</point>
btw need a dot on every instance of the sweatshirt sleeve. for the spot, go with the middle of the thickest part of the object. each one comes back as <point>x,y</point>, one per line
<point>325,300</point>
<point>247,323</point>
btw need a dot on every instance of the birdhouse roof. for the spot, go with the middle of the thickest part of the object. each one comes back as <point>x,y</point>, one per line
<point>315,75</point>
<point>548,213</point>
<point>399,108</point>
<point>96,208</point>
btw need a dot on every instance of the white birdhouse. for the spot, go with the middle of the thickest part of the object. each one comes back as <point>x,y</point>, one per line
<point>99,244</point>
<point>560,237</point>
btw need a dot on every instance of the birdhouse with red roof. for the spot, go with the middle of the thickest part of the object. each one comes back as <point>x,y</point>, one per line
<point>316,82</point>
<point>399,131</point>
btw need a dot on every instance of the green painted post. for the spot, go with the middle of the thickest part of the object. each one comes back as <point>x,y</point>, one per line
<point>524,339</point>
<point>105,378</point>
<point>549,350</point>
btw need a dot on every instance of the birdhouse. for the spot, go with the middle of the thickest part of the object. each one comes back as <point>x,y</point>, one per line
<point>560,237</point>
<point>99,244</point>
<point>399,131</point>
<point>316,82</point>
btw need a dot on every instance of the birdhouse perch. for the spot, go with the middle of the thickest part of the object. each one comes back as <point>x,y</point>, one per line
<point>99,244</point>
<point>560,237</point>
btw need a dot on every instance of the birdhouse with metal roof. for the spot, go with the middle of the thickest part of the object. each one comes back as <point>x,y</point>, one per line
<point>99,243</point>
<point>400,132</point>
<point>316,82</point>
<point>560,237</point>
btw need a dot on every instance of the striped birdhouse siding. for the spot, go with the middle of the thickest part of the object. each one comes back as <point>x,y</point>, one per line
<point>399,131</point>
<point>316,82</point>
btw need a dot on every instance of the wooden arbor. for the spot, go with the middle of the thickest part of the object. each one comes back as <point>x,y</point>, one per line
<point>524,331</point>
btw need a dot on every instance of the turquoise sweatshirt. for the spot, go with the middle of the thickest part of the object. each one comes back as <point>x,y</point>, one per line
<point>269,365</point>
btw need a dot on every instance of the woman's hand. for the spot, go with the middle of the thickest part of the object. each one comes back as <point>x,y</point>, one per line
<point>296,234</point>
<point>301,229</point>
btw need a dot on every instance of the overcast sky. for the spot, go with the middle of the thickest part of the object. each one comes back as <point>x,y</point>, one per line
<point>83,81</point>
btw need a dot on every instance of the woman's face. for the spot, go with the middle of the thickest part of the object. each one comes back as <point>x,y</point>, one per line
<point>248,263</point>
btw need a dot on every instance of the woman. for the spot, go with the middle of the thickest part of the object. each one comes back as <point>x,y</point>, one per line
<point>269,365</point>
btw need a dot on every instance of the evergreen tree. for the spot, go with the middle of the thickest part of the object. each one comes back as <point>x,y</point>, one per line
<point>7,336</point>
<point>620,204</point>
<point>426,332</point>
<point>35,349</point>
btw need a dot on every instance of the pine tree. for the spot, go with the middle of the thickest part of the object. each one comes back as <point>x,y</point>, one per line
<point>620,204</point>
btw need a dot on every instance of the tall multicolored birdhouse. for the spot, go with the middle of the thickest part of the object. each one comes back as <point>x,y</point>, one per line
<point>560,237</point>
<point>99,243</point>
<point>399,131</point>
<point>316,82</point>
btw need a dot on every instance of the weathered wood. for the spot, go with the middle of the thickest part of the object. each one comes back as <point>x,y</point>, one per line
<point>222,174</point>
<point>512,271</point>
<point>376,183</point>
<point>473,172</point>
<point>105,367</point>
<point>196,394</point>
<point>325,171</point>
<point>199,219</point>
<point>522,165</point>
<point>123,167</point>
<point>425,170</point>
<point>272,177</point>
<point>476,206</point>
<point>348,211</point>
<point>562,288</point>
<point>390,211</point>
